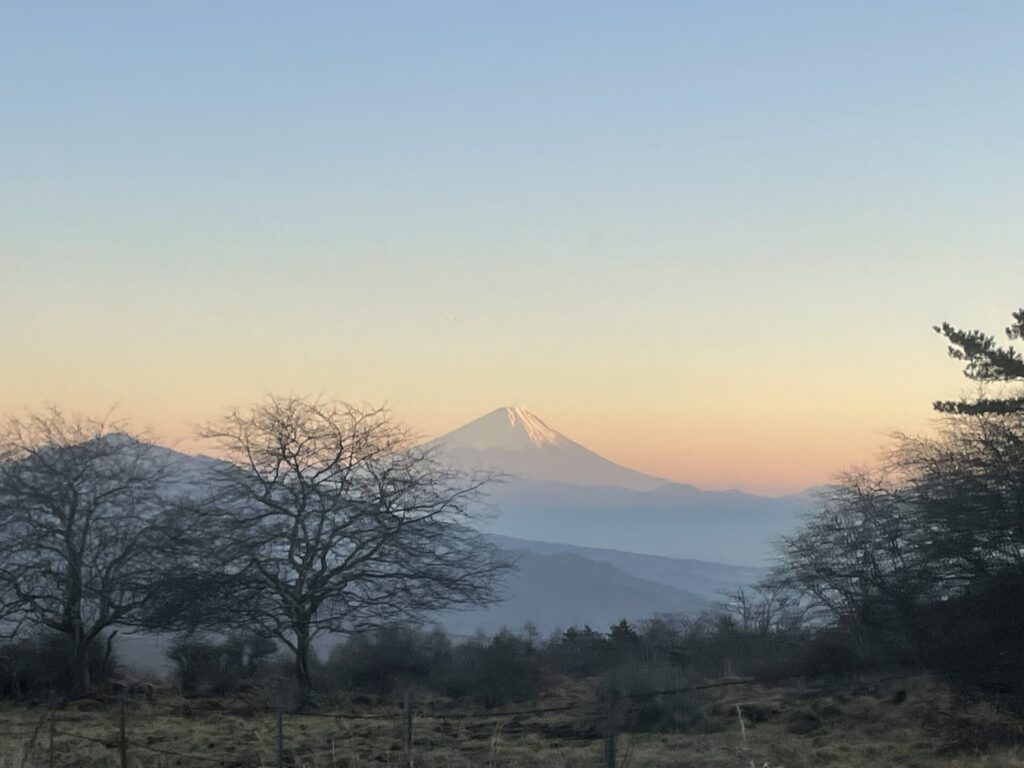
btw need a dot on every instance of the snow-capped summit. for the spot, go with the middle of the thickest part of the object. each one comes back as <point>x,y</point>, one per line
<point>517,441</point>
<point>539,432</point>
<point>513,428</point>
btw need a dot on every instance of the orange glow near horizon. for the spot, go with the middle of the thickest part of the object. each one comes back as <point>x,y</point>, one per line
<point>706,242</point>
<point>788,439</point>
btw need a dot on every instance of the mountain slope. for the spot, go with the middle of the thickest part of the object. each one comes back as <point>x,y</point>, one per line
<point>699,577</point>
<point>564,589</point>
<point>676,521</point>
<point>516,441</point>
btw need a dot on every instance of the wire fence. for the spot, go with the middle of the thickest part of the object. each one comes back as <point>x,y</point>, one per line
<point>125,740</point>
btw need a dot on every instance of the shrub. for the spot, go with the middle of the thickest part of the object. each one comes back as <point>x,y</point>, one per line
<point>388,659</point>
<point>650,686</point>
<point>580,653</point>
<point>208,666</point>
<point>975,639</point>
<point>503,670</point>
<point>39,665</point>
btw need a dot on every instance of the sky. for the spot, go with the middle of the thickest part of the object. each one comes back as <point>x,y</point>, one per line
<point>707,240</point>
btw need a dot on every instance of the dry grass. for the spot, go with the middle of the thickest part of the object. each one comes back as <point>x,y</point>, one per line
<point>858,724</point>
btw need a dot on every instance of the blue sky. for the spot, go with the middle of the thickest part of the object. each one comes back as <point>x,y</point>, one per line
<point>708,225</point>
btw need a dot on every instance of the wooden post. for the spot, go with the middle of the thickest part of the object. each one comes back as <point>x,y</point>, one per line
<point>407,718</point>
<point>53,715</point>
<point>124,732</point>
<point>609,748</point>
<point>53,725</point>
<point>610,729</point>
<point>280,738</point>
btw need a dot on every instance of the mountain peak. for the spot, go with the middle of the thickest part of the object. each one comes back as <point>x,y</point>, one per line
<point>511,427</point>
<point>515,440</point>
<point>520,418</point>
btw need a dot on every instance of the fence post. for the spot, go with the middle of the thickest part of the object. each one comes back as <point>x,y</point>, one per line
<point>123,716</point>
<point>53,727</point>
<point>280,738</point>
<point>609,746</point>
<point>407,719</point>
<point>610,729</point>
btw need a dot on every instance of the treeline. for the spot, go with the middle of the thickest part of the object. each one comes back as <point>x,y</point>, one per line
<point>649,660</point>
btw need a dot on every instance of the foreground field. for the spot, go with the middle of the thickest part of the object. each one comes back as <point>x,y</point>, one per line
<point>870,722</point>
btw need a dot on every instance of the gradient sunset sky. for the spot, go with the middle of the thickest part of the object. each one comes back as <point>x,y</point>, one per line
<point>705,239</point>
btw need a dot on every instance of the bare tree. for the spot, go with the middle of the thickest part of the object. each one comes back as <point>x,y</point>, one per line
<point>81,527</point>
<point>328,519</point>
<point>768,606</point>
<point>967,483</point>
<point>861,561</point>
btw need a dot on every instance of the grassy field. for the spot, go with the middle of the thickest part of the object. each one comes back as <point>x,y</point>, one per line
<point>863,723</point>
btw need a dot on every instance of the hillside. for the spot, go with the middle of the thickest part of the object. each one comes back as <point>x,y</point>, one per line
<point>675,521</point>
<point>699,577</point>
<point>563,589</point>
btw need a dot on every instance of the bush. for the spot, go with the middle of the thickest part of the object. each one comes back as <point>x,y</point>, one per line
<point>206,666</point>
<point>503,670</point>
<point>649,686</point>
<point>975,639</point>
<point>388,659</point>
<point>580,653</point>
<point>826,654</point>
<point>40,665</point>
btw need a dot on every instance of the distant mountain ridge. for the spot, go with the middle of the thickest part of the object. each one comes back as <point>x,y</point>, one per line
<point>563,589</point>
<point>674,521</point>
<point>698,577</point>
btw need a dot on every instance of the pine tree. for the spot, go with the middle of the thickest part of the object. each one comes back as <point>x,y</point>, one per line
<point>988,363</point>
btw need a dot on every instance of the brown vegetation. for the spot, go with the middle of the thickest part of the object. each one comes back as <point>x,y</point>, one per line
<point>872,721</point>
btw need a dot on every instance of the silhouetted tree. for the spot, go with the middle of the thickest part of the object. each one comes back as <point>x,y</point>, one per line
<point>329,519</point>
<point>988,363</point>
<point>769,606</point>
<point>82,528</point>
<point>859,561</point>
<point>898,556</point>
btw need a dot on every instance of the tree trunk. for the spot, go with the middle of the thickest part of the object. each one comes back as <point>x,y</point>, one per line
<point>303,677</point>
<point>80,639</point>
<point>81,680</point>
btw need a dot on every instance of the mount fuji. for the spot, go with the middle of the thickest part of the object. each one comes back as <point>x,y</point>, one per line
<point>518,442</point>
<point>560,491</point>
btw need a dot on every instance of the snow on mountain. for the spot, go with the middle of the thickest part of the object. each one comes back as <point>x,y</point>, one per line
<point>518,442</point>
<point>513,428</point>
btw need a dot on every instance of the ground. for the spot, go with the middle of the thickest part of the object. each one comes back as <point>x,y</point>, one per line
<point>867,722</point>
